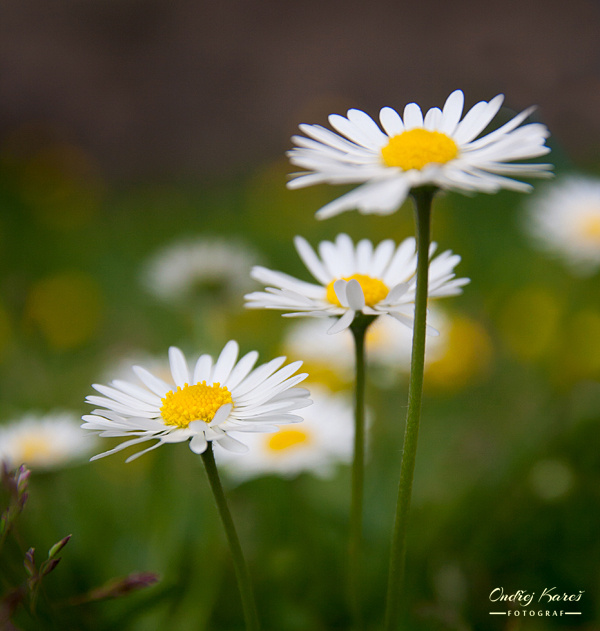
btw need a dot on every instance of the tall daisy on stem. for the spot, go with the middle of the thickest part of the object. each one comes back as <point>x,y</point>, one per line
<point>203,406</point>
<point>416,155</point>
<point>357,284</point>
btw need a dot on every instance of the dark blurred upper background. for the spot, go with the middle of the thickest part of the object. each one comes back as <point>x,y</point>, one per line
<point>187,88</point>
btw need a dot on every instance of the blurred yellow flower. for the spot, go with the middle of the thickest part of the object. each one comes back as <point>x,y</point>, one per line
<point>529,323</point>
<point>66,308</point>
<point>581,355</point>
<point>465,358</point>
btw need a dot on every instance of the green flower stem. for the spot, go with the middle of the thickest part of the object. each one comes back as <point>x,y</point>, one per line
<point>422,198</point>
<point>241,570</point>
<point>358,328</point>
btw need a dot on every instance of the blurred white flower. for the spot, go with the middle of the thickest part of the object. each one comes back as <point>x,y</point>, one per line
<point>204,404</point>
<point>47,441</point>
<point>388,344</point>
<point>356,279</point>
<point>317,445</point>
<point>438,149</point>
<point>564,218</point>
<point>199,266</point>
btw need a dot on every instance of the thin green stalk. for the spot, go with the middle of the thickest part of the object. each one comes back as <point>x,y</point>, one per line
<point>422,198</point>
<point>241,570</point>
<point>358,328</point>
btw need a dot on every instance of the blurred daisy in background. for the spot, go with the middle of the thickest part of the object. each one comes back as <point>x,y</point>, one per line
<point>200,267</point>
<point>44,442</point>
<point>438,149</point>
<point>564,219</point>
<point>317,445</point>
<point>356,279</point>
<point>200,405</point>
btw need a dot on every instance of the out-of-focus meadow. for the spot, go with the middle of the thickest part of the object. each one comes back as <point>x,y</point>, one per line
<point>507,482</point>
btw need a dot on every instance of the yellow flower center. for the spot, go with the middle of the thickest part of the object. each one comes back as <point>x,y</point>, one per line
<point>375,290</point>
<point>287,438</point>
<point>193,403</point>
<point>417,148</point>
<point>589,227</point>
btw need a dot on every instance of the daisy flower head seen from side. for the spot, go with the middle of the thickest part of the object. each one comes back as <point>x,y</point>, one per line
<point>564,218</point>
<point>356,279</point>
<point>441,149</point>
<point>200,404</point>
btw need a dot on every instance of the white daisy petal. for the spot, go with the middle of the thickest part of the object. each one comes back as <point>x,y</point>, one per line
<point>179,368</point>
<point>328,138</point>
<point>433,119</point>
<point>137,392</point>
<point>258,376</point>
<point>311,260</point>
<point>391,121</point>
<point>368,126</point>
<point>126,399</point>
<point>241,370</point>
<point>413,117</point>
<point>127,443</point>
<point>226,362</point>
<point>377,197</point>
<point>221,414</point>
<point>343,323</point>
<point>158,386</point>
<point>353,132</point>
<point>355,295</point>
<point>364,252</point>
<point>203,369</point>
<point>468,129</point>
<point>452,112</point>
<point>381,258</point>
<point>198,443</point>
<point>144,451</point>
<point>339,287</point>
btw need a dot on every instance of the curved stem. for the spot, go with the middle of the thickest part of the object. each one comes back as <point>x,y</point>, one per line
<point>422,198</point>
<point>358,328</point>
<point>241,570</point>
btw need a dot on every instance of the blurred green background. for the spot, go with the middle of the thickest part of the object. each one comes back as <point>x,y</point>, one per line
<point>127,126</point>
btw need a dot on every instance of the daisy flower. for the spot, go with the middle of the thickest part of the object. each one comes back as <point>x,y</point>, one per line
<point>43,441</point>
<point>200,405</point>
<point>355,279</point>
<point>196,266</point>
<point>565,218</point>
<point>323,440</point>
<point>438,149</point>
